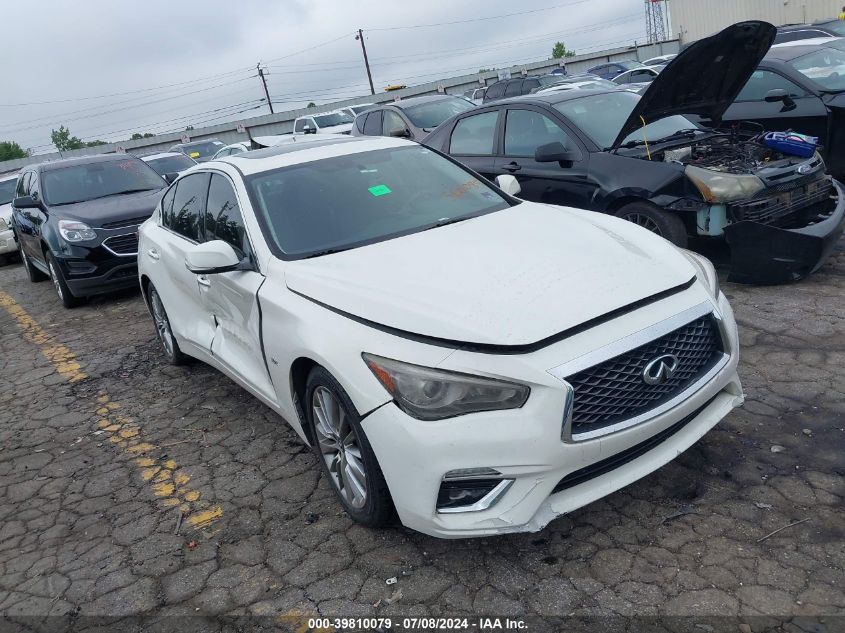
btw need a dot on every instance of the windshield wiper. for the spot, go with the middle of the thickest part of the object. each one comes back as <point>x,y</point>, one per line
<point>328,251</point>
<point>687,133</point>
<point>105,195</point>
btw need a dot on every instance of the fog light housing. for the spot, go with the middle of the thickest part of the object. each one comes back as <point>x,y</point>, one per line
<point>470,495</point>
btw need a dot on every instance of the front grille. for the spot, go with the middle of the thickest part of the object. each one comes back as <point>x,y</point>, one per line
<point>124,223</point>
<point>614,391</point>
<point>780,208</point>
<point>126,244</point>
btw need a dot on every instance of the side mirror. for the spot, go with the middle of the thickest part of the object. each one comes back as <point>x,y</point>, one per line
<point>211,258</point>
<point>405,133</point>
<point>555,153</point>
<point>170,177</point>
<point>779,94</point>
<point>509,184</point>
<point>26,202</point>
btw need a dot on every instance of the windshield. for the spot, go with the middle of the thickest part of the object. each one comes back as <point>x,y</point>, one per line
<point>602,116</point>
<point>335,118</point>
<point>7,190</point>
<point>630,65</point>
<point>79,183</point>
<point>347,201</point>
<point>826,67</point>
<point>170,164</point>
<point>837,26</point>
<point>200,149</point>
<point>433,113</point>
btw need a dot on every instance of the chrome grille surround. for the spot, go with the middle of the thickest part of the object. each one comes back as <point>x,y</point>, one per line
<point>122,245</point>
<point>574,429</point>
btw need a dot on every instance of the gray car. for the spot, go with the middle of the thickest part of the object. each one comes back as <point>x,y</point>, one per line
<point>410,118</point>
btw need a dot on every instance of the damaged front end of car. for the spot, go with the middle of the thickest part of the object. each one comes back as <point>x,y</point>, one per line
<point>781,215</point>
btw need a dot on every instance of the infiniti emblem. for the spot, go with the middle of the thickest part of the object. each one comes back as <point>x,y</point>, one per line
<point>660,369</point>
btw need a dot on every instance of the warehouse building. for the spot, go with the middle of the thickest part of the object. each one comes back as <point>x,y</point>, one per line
<point>693,19</point>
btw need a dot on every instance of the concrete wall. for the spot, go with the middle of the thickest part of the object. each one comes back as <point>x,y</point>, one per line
<point>693,19</point>
<point>282,122</point>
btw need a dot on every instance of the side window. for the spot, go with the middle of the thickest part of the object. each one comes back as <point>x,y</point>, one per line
<point>300,125</point>
<point>372,127</point>
<point>188,203</point>
<point>529,84</point>
<point>235,150</point>
<point>392,123</point>
<point>23,184</point>
<point>167,206</point>
<point>762,81</point>
<point>32,187</point>
<point>496,90</point>
<point>223,219</point>
<point>514,88</point>
<point>622,79</point>
<point>526,130</point>
<point>474,134</point>
<point>360,121</point>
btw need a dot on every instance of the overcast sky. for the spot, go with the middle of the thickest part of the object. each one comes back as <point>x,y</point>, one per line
<point>107,69</point>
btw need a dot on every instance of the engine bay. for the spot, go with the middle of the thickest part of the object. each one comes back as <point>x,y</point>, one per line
<point>727,153</point>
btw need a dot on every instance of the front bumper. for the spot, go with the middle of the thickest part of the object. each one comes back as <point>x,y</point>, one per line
<point>8,244</point>
<point>96,270</point>
<point>764,254</point>
<point>526,445</point>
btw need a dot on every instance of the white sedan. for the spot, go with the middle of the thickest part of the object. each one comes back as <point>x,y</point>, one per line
<point>473,363</point>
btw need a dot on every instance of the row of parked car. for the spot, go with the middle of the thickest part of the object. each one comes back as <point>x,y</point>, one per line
<point>465,343</point>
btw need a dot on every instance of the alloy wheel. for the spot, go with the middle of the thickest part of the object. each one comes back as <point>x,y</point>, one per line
<point>162,324</point>
<point>339,447</point>
<point>55,277</point>
<point>644,221</point>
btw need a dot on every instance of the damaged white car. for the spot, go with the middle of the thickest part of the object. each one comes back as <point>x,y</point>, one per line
<point>471,362</point>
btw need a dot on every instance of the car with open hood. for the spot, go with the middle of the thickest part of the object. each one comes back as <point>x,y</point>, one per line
<point>643,159</point>
<point>77,222</point>
<point>475,363</point>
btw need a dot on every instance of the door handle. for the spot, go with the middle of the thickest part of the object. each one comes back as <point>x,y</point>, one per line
<point>512,166</point>
<point>153,254</point>
<point>202,280</point>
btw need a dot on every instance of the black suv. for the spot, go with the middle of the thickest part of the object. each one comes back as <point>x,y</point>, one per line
<point>77,222</point>
<point>518,86</point>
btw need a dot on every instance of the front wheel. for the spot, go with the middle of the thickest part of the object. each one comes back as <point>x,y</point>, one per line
<point>667,225</point>
<point>344,451</point>
<point>65,295</point>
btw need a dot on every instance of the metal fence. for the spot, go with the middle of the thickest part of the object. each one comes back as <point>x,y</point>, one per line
<point>282,122</point>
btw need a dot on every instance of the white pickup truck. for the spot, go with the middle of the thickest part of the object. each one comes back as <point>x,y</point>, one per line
<point>336,122</point>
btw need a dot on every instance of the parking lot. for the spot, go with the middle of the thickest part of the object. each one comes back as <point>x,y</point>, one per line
<point>128,486</point>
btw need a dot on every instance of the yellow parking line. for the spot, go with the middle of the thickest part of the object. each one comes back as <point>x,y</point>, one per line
<point>62,358</point>
<point>167,482</point>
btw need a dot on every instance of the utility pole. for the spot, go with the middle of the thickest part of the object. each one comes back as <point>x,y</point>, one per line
<point>261,73</point>
<point>360,36</point>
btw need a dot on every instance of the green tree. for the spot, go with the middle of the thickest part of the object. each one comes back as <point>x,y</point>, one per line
<point>138,135</point>
<point>9,150</point>
<point>94,143</point>
<point>311,104</point>
<point>64,141</point>
<point>559,50</point>
<point>485,70</point>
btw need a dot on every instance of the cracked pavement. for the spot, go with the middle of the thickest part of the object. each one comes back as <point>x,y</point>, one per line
<point>91,524</point>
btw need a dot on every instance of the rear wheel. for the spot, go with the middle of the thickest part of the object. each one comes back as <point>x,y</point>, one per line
<point>344,451</point>
<point>171,348</point>
<point>666,225</point>
<point>32,272</point>
<point>65,295</point>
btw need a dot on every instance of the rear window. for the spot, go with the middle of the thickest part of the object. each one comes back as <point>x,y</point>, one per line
<point>201,149</point>
<point>170,164</point>
<point>495,91</point>
<point>432,114</point>
<point>514,88</point>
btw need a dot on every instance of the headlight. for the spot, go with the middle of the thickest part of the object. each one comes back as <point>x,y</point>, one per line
<point>704,271</point>
<point>433,394</point>
<point>718,186</point>
<point>74,231</point>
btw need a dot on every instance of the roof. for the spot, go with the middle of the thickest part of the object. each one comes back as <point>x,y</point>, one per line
<point>81,160</point>
<point>306,151</point>
<point>148,157</point>
<point>550,98</point>
<point>788,53</point>
<point>407,103</point>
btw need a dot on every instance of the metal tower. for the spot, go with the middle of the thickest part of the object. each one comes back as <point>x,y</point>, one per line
<point>655,21</point>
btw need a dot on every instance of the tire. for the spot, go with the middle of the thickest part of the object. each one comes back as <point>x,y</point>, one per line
<point>32,272</point>
<point>172,353</point>
<point>65,295</point>
<point>667,225</point>
<point>343,450</point>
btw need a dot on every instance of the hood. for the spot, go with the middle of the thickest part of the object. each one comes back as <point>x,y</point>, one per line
<point>705,78</point>
<point>114,209</point>
<point>510,278</point>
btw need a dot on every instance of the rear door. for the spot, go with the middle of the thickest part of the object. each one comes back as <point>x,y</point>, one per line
<point>808,116</point>
<point>473,142</point>
<point>525,129</point>
<point>178,229</point>
<point>230,300</point>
